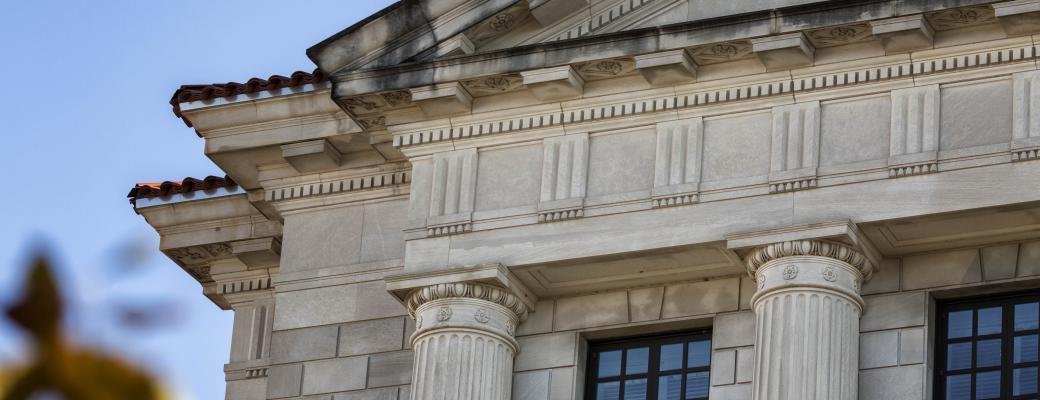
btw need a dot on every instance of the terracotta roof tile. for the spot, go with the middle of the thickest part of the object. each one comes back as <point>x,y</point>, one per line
<point>152,190</point>
<point>254,85</point>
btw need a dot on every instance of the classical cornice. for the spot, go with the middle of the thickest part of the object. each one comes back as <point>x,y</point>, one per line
<point>470,290</point>
<point>680,101</point>
<point>820,248</point>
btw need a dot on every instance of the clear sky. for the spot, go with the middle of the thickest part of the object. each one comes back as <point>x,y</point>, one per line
<point>84,114</point>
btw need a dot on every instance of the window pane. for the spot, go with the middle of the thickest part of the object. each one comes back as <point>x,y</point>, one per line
<point>960,324</point>
<point>1026,316</point>
<point>958,387</point>
<point>987,385</point>
<point>1025,349</point>
<point>958,356</point>
<point>987,353</point>
<point>609,363</point>
<point>697,385</point>
<point>637,360</point>
<point>671,356</point>
<point>635,389</point>
<point>669,387</point>
<point>1023,381</point>
<point>990,320</point>
<point>607,390</point>
<point>700,354</point>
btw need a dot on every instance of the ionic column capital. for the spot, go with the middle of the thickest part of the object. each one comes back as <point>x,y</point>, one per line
<point>467,290</point>
<point>762,255</point>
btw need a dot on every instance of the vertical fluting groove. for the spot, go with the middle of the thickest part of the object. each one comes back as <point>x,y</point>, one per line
<point>462,366</point>
<point>806,347</point>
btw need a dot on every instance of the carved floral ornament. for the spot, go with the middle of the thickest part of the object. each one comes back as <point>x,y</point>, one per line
<point>477,291</point>
<point>822,248</point>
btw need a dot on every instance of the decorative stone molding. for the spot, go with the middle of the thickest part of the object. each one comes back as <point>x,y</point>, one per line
<point>717,96</point>
<point>471,290</point>
<point>1025,133</point>
<point>961,17</point>
<point>548,12</point>
<point>565,162</point>
<point>903,34</point>
<point>677,164</point>
<point>442,99</point>
<point>722,52</point>
<point>499,24</point>
<point>795,147</point>
<point>602,19</point>
<point>667,68</point>
<point>784,51</point>
<point>312,155</point>
<point>554,84</point>
<point>820,248</point>
<point>914,140</point>
<point>344,185</point>
<point>454,188</point>
<point>839,35</point>
<point>1019,17</point>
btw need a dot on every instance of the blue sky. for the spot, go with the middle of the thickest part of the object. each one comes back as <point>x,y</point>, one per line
<point>84,114</point>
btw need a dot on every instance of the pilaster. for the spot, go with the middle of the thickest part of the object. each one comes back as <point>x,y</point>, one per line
<point>565,163</point>
<point>677,165</point>
<point>795,147</point>
<point>1025,141</point>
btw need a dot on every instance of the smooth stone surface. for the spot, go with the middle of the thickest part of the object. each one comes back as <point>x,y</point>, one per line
<point>621,163</point>
<point>736,147</point>
<point>894,383</point>
<point>733,330</point>
<point>334,304</point>
<point>645,304</point>
<point>387,369</point>
<point>890,311</point>
<point>539,321</point>
<point>373,336</point>
<point>520,166</point>
<point>304,344</point>
<point>723,367</point>
<point>878,349</point>
<point>975,115</point>
<point>335,375</point>
<point>999,262</point>
<point>284,380</point>
<point>591,311</point>
<point>533,385</point>
<point>941,269</point>
<point>912,344</point>
<point>546,351</point>
<point>700,298</point>
<point>849,131</point>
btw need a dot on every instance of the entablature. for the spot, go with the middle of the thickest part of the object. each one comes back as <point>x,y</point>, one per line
<point>686,54</point>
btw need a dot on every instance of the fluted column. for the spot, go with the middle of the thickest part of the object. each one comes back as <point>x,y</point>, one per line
<point>807,309</point>
<point>463,341</point>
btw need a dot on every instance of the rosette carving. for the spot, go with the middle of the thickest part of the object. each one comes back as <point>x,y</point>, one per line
<point>822,248</point>
<point>478,291</point>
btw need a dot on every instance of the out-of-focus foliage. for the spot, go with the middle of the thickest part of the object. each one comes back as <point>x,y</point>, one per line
<point>58,369</point>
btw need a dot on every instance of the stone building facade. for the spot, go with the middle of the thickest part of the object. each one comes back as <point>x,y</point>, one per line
<point>628,199</point>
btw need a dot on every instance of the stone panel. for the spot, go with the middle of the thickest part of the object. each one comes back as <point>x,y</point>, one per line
<point>699,298</point>
<point>304,344</point>
<point>736,147</point>
<point>334,304</point>
<point>322,239</point>
<point>733,330</point>
<point>335,375</point>
<point>941,269</point>
<point>645,304</point>
<point>1028,259</point>
<point>975,115</point>
<point>390,369</point>
<point>381,237</point>
<point>284,380</point>
<point>546,351</point>
<point>878,349</point>
<point>374,394</point>
<point>723,367</point>
<point>533,385</point>
<point>371,336</point>
<point>561,384</point>
<point>731,392</point>
<point>539,321</point>
<point>911,346</point>
<point>894,383</point>
<point>621,163</point>
<point>850,131</point>
<point>589,311</point>
<point>509,177</point>
<point>894,311</point>
<point>246,389</point>
<point>745,364</point>
<point>886,279</point>
<point>998,262</point>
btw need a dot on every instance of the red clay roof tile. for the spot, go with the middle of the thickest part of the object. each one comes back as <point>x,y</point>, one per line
<point>254,85</point>
<point>152,190</point>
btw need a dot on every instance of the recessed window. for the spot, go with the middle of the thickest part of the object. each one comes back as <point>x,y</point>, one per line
<point>987,349</point>
<point>672,367</point>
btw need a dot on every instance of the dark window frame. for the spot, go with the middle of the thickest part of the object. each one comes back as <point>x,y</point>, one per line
<point>653,361</point>
<point>1007,334</point>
